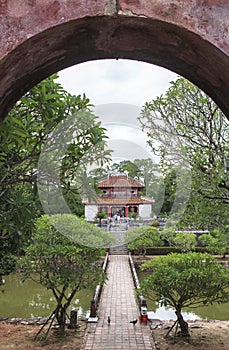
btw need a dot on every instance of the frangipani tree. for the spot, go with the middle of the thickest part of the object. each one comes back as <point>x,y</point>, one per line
<point>143,237</point>
<point>186,241</point>
<point>216,242</point>
<point>185,125</point>
<point>60,262</point>
<point>185,280</point>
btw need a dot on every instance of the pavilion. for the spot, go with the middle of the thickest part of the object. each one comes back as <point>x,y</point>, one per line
<point>119,195</point>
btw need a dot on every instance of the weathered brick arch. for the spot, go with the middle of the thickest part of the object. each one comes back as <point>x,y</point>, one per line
<point>39,37</point>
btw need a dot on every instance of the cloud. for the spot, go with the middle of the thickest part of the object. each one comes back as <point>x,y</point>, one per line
<point>118,89</point>
<point>116,81</point>
<point>118,113</point>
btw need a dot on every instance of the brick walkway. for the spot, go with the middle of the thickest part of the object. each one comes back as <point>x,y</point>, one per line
<point>119,302</point>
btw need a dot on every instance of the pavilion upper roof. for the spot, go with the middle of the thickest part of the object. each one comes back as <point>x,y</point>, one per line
<point>119,180</point>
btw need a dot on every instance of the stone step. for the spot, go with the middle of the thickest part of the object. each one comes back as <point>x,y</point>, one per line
<point>119,249</point>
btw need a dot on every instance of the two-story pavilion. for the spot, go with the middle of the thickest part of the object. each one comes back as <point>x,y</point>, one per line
<point>119,195</point>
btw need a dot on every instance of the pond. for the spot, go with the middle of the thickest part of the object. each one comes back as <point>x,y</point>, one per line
<point>211,312</point>
<point>30,299</point>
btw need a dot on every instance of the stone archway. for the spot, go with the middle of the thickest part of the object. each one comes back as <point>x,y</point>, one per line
<point>40,37</point>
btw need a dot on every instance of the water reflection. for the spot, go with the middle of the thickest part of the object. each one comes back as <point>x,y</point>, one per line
<point>30,299</point>
<point>211,312</point>
<point>162,313</point>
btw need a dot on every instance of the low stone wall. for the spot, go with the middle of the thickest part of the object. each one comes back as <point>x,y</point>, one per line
<point>26,321</point>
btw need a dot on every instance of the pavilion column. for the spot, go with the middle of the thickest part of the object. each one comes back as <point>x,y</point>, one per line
<point>109,211</point>
<point>126,211</point>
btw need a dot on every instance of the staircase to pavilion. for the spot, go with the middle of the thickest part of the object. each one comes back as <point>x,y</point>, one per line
<point>119,247</point>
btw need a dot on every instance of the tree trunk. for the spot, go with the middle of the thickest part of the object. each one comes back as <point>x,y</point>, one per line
<point>61,317</point>
<point>183,325</point>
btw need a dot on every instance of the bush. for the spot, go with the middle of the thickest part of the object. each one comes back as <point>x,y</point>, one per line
<point>165,250</point>
<point>155,223</point>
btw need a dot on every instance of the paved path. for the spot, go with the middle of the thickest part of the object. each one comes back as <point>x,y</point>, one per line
<point>119,302</point>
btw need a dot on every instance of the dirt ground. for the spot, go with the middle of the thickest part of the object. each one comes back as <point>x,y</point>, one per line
<point>21,337</point>
<point>211,335</point>
<point>204,335</point>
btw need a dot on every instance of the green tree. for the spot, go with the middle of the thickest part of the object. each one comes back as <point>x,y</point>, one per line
<point>185,125</point>
<point>23,135</point>
<point>57,259</point>
<point>168,234</point>
<point>99,173</point>
<point>8,262</point>
<point>210,242</point>
<point>154,181</point>
<point>101,215</point>
<point>223,238</point>
<point>202,213</point>
<point>185,240</point>
<point>170,191</point>
<point>131,168</point>
<point>185,280</point>
<point>216,243</point>
<point>143,237</point>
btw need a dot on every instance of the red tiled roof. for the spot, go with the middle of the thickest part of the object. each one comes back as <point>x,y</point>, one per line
<point>119,181</point>
<point>121,201</point>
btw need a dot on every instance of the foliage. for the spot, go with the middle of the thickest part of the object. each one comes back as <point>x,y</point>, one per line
<point>202,214</point>
<point>57,260</point>
<point>23,134</point>
<point>165,250</point>
<point>210,242</point>
<point>132,215</point>
<point>98,174</point>
<point>143,237</point>
<point>184,280</point>
<point>167,234</point>
<point>170,183</point>
<point>74,200</point>
<point>223,238</point>
<point>155,223</point>
<point>185,125</point>
<point>127,166</point>
<point>7,264</point>
<point>215,243</point>
<point>148,236</point>
<point>7,260</point>
<point>185,240</point>
<point>101,215</point>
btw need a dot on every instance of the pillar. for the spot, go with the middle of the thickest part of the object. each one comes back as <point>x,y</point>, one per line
<point>126,211</point>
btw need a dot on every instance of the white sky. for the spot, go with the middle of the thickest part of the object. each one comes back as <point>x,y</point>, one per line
<point>116,81</point>
<point>118,89</point>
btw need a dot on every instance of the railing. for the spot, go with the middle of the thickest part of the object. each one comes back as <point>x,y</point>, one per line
<point>141,299</point>
<point>120,195</point>
<point>96,297</point>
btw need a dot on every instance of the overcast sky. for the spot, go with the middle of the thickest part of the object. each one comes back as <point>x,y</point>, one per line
<point>118,89</point>
<point>116,81</point>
